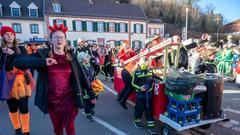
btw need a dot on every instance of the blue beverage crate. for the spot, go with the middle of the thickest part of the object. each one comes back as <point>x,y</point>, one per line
<point>184,112</point>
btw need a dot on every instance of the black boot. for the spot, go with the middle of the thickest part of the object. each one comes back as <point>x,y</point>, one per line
<point>18,131</point>
<point>123,105</point>
<point>26,133</point>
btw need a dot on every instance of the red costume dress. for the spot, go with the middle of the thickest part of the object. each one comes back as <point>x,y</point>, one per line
<point>61,105</point>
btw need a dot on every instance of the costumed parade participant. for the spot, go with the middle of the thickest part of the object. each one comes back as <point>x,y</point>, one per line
<point>207,65</point>
<point>108,63</point>
<point>16,84</point>
<point>89,100</point>
<point>58,66</point>
<point>143,83</point>
<point>95,58</point>
<point>82,46</point>
<point>225,59</point>
<point>125,53</point>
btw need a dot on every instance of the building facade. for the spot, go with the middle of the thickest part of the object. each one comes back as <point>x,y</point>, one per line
<point>98,21</point>
<point>25,17</point>
<point>155,27</point>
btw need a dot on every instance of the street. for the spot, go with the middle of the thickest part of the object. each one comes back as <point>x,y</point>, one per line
<point>111,119</point>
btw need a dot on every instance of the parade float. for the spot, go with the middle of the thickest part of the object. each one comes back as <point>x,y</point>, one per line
<point>178,111</point>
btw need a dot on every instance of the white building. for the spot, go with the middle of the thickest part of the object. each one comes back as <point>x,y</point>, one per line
<point>25,17</point>
<point>98,21</point>
<point>155,27</point>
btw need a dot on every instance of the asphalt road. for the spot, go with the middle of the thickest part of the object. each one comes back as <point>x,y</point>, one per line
<point>111,119</point>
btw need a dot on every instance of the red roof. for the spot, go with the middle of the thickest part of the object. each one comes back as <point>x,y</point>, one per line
<point>231,27</point>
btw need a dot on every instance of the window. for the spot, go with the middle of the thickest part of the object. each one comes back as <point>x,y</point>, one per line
<point>78,25</point>
<point>111,27</point>
<point>138,28</point>
<point>157,31</point>
<point>17,27</point>
<point>122,27</point>
<point>16,12</point>
<point>59,22</point>
<point>100,27</point>
<point>89,26</point>
<point>34,28</point>
<point>33,12</point>
<point>57,8</point>
<point>152,32</point>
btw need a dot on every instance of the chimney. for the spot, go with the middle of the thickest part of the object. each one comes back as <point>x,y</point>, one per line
<point>91,2</point>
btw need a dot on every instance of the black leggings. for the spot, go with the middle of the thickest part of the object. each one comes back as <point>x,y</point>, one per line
<point>128,89</point>
<point>21,104</point>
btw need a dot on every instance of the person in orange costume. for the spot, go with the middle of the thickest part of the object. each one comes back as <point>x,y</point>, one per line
<point>21,88</point>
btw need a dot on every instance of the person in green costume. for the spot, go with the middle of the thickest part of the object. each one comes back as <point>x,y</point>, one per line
<point>224,67</point>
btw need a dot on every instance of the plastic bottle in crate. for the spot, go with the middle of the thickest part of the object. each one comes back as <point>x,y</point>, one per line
<point>180,120</point>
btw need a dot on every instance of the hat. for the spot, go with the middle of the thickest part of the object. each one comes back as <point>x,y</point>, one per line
<point>5,29</point>
<point>148,40</point>
<point>82,56</point>
<point>55,27</point>
<point>80,39</point>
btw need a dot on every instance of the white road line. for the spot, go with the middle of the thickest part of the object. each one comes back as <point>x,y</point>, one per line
<point>231,92</point>
<point>107,125</point>
<point>232,110</point>
<point>109,89</point>
<point>110,127</point>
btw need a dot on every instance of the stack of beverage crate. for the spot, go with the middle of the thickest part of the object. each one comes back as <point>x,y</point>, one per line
<point>183,109</point>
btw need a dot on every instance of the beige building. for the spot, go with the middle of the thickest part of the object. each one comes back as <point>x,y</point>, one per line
<point>25,17</point>
<point>98,21</point>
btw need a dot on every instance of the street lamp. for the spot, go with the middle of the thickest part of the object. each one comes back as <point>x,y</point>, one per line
<point>187,10</point>
<point>219,30</point>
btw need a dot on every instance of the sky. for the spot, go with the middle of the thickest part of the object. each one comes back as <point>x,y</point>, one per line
<point>229,8</point>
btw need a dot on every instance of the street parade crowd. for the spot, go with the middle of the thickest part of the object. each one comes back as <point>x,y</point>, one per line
<point>68,76</point>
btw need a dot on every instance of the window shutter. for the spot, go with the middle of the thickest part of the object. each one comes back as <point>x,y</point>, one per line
<point>75,43</point>
<point>54,21</point>
<point>126,27</point>
<point>141,28</point>
<point>84,26</point>
<point>74,25</point>
<point>116,27</point>
<point>135,28</point>
<point>133,44</point>
<point>65,23</point>
<point>107,26</point>
<point>95,26</point>
<point>140,44</point>
<point>69,42</point>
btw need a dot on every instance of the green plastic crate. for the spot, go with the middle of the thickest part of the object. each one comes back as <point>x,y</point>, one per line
<point>179,97</point>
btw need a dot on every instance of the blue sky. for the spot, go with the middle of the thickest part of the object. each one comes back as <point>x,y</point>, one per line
<point>229,8</point>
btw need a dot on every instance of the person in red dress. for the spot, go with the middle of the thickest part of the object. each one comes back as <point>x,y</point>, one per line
<point>60,81</point>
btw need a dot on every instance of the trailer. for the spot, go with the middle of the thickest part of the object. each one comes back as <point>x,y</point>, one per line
<point>162,101</point>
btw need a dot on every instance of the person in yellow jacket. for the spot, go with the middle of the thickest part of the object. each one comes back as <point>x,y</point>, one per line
<point>20,89</point>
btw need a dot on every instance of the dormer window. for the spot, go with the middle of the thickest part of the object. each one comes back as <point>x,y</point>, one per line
<point>56,8</point>
<point>15,9</point>
<point>16,12</point>
<point>33,10</point>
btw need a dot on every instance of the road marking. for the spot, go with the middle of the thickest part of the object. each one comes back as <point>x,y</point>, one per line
<point>107,125</point>
<point>232,110</point>
<point>231,92</point>
<point>109,89</point>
